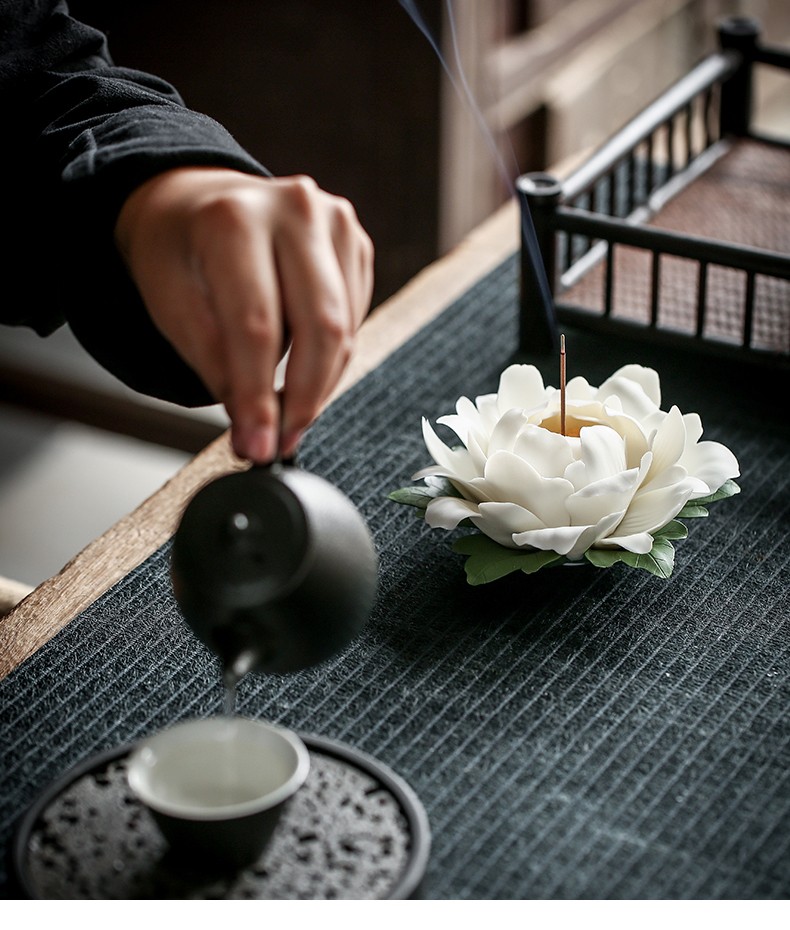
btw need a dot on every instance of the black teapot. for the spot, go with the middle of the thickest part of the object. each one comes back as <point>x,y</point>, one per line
<point>274,569</point>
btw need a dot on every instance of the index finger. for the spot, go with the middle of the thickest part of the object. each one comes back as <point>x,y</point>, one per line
<point>242,288</point>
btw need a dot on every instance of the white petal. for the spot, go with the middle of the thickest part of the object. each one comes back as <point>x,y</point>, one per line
<point>710,462</point>
<point>504,435</point>
<point>633,435</point>
<point>675,474</point>
<point>465,408</point>
<point>448,512</point>
<point>509,478</point>
<point>548,453</point>
<point>561,539</point>
<point>646,378</point>
<point>641,543</point>
<point>430,470</point>
<point>459,425</point>
<point>520,386</point>
<point>650,511</point>
<point>636,401</point>
<point>500,520</point>
<point>572,541</point>
<point>594,533</point>
<point>489,412</point>
<point>652,422</point>
<point>538,411</point>
<point>668,443</point>
<point>578,388</point>
<point>576,473</point>
<point>591,410</point>
<point>593,502</point>
<point>465,422</point>
<point>693,427</point>
<point>471,490</point>
<point>626,426</point>
<point>477,454</point>
<point>456,461</point>
<point>603,452</point>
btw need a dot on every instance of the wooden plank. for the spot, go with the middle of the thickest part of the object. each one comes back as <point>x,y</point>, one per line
<point>55,602</point>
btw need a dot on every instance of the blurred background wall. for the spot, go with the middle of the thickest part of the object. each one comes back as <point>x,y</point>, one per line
<point>350,92</point>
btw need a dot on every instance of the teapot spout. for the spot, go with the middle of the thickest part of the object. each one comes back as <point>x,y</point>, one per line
<point>237,668</point>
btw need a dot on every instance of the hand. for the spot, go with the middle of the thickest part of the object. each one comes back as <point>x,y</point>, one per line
<point>232,269</point>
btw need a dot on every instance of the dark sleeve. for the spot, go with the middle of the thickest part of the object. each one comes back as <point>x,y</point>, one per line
<point>79,136</point>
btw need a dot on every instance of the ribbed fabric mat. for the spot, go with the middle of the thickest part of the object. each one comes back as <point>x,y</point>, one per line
<point>575,733</point>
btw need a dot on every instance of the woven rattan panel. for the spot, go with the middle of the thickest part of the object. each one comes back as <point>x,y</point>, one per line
<point>744,199</point>
<point>575,733</point>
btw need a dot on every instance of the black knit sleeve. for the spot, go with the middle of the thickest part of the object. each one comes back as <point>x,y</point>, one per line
<point>80,136</point>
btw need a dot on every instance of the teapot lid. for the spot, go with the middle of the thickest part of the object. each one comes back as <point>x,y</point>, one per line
<point>243,539</point>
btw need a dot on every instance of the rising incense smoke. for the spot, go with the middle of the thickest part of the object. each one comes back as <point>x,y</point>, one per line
<point>463,90</point>
<point>529,237</point>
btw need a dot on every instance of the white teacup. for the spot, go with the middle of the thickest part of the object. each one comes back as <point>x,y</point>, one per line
<point>217,786</point>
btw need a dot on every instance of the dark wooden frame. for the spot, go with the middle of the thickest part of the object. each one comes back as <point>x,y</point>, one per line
<point>608,200</point>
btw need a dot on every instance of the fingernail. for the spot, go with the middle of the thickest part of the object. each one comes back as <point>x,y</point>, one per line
<point>258,444</point>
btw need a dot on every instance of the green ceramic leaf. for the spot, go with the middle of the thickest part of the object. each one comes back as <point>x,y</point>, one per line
<point>728,489</point>
<point>673,530</point>
<point>604,558</point>
<point>441,487</point>
<point>488,560</point>
<point>420,496</point>
<point>659,561</point>
<point>693,509</point>
<point>533,561</point>
<point>413,497</point>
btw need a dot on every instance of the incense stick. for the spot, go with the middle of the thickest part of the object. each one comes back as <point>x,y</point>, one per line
<point>562,383</point>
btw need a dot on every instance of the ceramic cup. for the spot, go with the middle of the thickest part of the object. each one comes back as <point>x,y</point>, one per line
<point>217,786</point>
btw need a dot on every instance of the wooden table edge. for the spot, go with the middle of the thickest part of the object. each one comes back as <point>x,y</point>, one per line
<point>105,561</point>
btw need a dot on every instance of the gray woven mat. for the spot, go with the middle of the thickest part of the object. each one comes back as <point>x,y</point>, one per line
<point>575,733</point>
